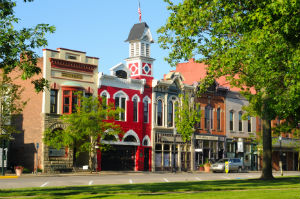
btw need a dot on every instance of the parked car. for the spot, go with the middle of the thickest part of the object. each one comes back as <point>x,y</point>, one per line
<point>235,164</point>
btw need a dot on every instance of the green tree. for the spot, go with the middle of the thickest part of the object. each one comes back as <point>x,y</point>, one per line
<point>17,46</point>
<point>86,128</point>
<point>254,44</point>
<point>10,104</point>
<point>186,116</point>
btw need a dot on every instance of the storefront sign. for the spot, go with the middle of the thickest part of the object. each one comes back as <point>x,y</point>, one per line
<point>72,75</point>
<point>56,153</point>
<point>204,137</point>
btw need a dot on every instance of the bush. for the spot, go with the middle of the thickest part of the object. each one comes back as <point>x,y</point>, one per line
<point>25,170</point>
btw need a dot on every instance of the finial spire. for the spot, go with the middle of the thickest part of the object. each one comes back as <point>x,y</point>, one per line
<point>140,13</point>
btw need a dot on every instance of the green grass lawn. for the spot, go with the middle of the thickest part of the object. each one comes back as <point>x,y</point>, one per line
<point>281,188</point>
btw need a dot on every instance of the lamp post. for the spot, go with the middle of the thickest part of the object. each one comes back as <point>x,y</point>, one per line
<point>174,151</point>
<point>280,155</point>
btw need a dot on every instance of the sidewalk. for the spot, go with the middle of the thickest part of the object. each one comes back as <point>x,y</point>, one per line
<point>87,173</point>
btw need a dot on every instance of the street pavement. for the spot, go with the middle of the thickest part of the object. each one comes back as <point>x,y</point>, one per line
<point>40,180</point>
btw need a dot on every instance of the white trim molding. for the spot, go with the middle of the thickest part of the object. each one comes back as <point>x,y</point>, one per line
<point>107,94</point>
<point>132,133</point>
<point>148,141</point>
<point>121,93</point>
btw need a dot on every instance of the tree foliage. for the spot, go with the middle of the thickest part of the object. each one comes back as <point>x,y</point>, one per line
<point>86,127</point>
<point>186,117</point>
<point>254,44</point>
<point>17,46</point>
<point>10,104</point>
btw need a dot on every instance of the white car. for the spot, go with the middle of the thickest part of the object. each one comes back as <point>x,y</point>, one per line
<point>235,164</point>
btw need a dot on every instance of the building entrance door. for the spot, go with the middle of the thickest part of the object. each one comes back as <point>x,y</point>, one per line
<point>119,158</point>
<point>146,159</point>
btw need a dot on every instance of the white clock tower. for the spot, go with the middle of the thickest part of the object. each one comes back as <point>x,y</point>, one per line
<point>139,61</point>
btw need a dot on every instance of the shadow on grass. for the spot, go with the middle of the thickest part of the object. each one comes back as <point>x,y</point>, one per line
<point>278,183</point>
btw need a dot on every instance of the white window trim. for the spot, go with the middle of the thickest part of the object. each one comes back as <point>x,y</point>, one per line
<point>136,96</point>
<point>148,139</point>
<point>146,98</point>
<point>121,94</point>
<point>131,132</point>
<point>138,101</point>
<point>162,111</point>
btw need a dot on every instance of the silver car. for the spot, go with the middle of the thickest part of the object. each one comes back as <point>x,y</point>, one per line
<point>235,164</point>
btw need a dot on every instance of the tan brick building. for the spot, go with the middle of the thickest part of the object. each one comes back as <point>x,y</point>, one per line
<point>67,71</point>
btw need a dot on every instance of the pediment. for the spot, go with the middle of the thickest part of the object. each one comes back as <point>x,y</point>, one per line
<point>120,69</point>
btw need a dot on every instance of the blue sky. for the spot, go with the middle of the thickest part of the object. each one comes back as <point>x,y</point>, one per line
<point>97,27</point>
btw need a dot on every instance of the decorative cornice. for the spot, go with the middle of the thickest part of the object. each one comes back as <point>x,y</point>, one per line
<point>59,63</point>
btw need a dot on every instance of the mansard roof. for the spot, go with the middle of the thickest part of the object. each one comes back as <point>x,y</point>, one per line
<point>138,31</point>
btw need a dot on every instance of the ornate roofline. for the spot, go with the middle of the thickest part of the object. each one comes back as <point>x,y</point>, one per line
<point>59,63</point>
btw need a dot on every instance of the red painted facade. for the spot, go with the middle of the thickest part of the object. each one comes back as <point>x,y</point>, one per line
<point>140,127</point>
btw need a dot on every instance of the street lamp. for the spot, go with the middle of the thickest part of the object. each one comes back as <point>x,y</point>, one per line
<point>280,155</point>
<point>174,151</point>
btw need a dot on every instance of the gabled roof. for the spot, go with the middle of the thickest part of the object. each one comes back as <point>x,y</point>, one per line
<point>138,31</point>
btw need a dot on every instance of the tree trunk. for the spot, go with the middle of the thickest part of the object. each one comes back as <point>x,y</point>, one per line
<point>185,157</point>
<point>267,151</point>
<point>92,155</point>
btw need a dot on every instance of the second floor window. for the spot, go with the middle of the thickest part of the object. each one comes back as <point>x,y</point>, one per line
<point>70,101</point>
<point>170,114</point>
<point>240,121</point>
<point>120,102</point>
<point>146,111</point>
<point>53,101</point>
<point>231,120</point>
<point>249,124</point>
<point>218,119</point>
<point>159,113</point>
<point>208,117</point>
<point>135,110</point>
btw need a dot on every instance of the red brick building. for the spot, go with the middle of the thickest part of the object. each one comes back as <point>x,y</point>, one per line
<point>210,134</point>
<point>129,86</point>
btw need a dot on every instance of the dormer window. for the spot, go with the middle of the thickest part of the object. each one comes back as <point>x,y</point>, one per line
<point>121,74</point>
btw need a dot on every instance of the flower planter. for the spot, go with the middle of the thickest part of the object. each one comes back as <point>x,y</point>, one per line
<point>207,168</point>
<point>201,168</point>
<point>19,172</point>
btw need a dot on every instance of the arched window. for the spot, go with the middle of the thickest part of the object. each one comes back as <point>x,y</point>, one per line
<point>170,113</point>
<point>240,121</point>
<point>159,113</point>
<point>130,138</point>
<point>218,119</point>
<point>146,110</point>
<point>208,117</point>
<point>135,109</point>
<point>120,102</point>
<point>231,120</point>
<point>249,124</point>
